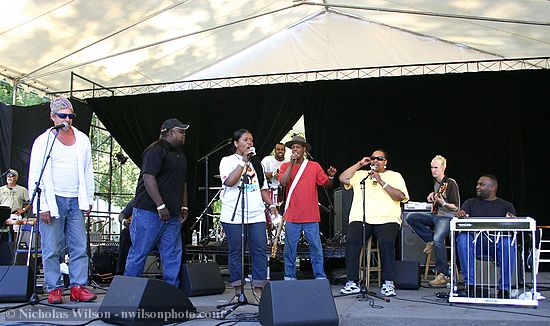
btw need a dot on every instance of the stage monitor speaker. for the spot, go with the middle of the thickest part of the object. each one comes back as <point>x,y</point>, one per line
<point>407,275</point>
<point>303,302</point>
<point>201,279</point>
<point>411,244</point>
<point>342,207</point>
<point>142,301</point>
<point>15,283</point>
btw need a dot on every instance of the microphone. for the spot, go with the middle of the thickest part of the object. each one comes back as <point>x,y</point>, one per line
<point>3,174</point>
<point>62,125</point>
<point>252,152</point>
<point>370,175</point>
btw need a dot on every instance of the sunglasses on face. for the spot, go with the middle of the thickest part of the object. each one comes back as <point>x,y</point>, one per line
<point>10,175</point>
<point>377,158</point>
<point>66,115</point>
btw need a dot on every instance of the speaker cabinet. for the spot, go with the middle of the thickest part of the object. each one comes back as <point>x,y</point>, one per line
<point>342,207</point>
<point>407,275</point>
<point>142,301</point>
<point>411,244</point>
<point>201,279</point>
<point>303,302</point>
<point>15,283</point>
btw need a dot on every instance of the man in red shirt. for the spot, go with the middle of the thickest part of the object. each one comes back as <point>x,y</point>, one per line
<point>301,178</point>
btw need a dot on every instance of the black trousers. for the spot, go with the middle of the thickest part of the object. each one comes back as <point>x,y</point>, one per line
<point>386,234</point>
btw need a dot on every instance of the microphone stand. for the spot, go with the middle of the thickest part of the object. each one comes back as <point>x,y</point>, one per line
<point>242,301</point>
<point>34,299</point>
<point>203,213</point>
<point>364,292</point>
<point>216,148</point>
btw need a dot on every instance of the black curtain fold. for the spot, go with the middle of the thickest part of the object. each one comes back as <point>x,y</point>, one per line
<point>213,115</point>
<point>493,122</point>
<point>482,123</point>
<point>6,119</point>
<point>30,121</point>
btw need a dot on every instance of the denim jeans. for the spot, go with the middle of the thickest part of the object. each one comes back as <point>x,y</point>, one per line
<point>292,233</point>
<point>487,246</point>
<point>146,230</point>
<point>255,237</point>
<point>422,224</point>
<point>68,230</point>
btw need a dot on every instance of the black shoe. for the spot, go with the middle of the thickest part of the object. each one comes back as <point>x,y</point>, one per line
<point>503,294</point>
<point>472,291</point>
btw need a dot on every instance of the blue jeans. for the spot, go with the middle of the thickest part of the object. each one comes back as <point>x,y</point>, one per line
<point>487,246</point>
<point>146,231</point>
<point>292,233</point>
<point>69,229</point>
<point>255,237</point>
<point>422,224</point>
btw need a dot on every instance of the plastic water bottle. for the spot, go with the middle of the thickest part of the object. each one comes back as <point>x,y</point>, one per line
<point>195,238</point>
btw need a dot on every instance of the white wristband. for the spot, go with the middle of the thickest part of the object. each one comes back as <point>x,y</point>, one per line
<point>185,207</point>
<point>242,163</point>
<point>385,185</point>
<point>161,207</point>
<point>330,177</point>
<point>272,206</point>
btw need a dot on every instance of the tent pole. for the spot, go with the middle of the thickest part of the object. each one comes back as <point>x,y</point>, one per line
<point>14,92</point>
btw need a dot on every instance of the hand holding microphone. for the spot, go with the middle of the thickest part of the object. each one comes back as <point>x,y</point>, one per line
<point>251,151</point>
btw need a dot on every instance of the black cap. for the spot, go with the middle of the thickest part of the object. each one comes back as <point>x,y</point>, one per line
<point>173,123</point>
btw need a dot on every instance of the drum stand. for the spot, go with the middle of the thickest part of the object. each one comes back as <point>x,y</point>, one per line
<point>204,213</point>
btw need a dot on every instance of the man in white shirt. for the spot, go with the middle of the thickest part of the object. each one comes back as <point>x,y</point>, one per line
<point>67,191</point>
<point>271,166</point>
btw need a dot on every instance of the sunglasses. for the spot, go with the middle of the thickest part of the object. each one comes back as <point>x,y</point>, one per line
<point>66,115</point>
<point>377,158</point>
<point>9,175</point>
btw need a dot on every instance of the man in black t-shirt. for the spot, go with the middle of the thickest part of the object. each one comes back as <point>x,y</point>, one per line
<point>499,246</point>
<point>159,204</point>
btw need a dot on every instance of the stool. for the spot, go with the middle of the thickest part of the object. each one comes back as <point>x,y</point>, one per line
<point>429,263</point>
<point>376,258</point>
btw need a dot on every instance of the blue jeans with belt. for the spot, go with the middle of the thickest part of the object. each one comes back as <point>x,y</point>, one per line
<point>146,231</point>
<point>292,236</point>
<point>68,229</point>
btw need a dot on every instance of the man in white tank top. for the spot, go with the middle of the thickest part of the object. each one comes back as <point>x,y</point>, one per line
<point>67,190</point>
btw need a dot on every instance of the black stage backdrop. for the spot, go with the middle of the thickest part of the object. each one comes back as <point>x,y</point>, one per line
<point>19,126</point>
<point>482,122</point>
<point>492,122</point>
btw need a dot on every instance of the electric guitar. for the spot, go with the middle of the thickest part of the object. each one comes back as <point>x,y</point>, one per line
<point>440,192</point>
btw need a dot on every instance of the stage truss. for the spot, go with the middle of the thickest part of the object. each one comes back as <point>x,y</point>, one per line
<point>83,88</point>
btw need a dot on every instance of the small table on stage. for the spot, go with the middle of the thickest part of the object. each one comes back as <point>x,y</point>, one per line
<point>24,221</point>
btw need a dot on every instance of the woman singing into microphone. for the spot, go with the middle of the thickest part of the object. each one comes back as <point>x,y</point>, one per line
<point>242,168</point>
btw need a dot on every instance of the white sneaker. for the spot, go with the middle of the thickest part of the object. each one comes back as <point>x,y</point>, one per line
<point>350,288</point>
<point>388,290</point>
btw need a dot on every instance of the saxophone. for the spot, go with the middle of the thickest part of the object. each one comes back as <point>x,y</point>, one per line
<point>277,237</point>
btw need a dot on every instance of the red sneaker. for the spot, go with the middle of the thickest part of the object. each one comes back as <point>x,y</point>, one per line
<point>55,296</point>
<point>81,293</point>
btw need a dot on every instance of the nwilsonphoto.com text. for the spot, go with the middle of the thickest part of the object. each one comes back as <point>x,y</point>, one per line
<point>85,314</point>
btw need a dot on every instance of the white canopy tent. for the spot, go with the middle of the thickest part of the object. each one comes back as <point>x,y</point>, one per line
<point>114,43</point>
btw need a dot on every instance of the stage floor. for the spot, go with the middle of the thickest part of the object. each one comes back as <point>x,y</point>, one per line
<point>409,307</point>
